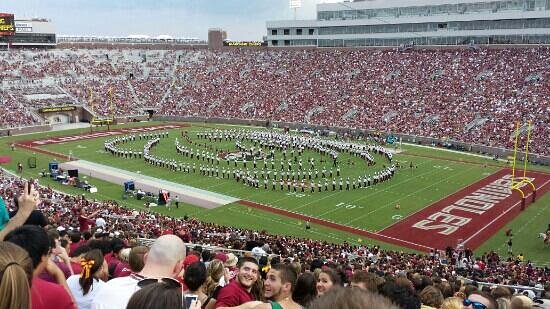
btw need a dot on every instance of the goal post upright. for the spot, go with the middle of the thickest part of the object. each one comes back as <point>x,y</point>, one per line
<point>517,185</point>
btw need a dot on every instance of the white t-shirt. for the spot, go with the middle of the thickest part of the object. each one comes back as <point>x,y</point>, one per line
<point>116,293</point>
<point>84,301</point>
<point>100,222</point>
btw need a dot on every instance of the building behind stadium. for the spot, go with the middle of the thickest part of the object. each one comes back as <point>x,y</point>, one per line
<point>30,32</point>
<point>417,22</point>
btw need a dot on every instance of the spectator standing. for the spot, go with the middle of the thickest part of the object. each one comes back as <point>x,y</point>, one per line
<point>164,260</point>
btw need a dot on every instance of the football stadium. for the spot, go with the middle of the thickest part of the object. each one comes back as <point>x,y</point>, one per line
<point>402,149</point>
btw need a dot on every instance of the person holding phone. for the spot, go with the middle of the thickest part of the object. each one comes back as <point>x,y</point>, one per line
<point>26,202</point>
<point>194,278</point>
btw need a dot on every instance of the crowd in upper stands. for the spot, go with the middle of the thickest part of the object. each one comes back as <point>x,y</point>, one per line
<point>467,95</point>
<point>75,251</point>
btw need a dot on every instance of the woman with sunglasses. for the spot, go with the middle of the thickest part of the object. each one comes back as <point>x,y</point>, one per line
<point>480,300</point>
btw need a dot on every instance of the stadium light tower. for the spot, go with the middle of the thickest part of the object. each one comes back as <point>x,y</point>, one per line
<point>295,4</point>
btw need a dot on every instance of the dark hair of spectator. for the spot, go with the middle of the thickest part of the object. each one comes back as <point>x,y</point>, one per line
<point>486,295</point>
<point>93,260</point>
<point>156,296</point>
<point>75,236</point>
<point>245,259</point>
<point>33,239</point>
<point>352,299</point>
<point>305,290</point>
<point>400,295</point>
<point>371,280</point>
<point>287,274</point>
<point>80,250</point>
<point>334,275</point>
<point>195,276</point>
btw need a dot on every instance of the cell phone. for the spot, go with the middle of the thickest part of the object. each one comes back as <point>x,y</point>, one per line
<point>189,299</point>
<point>29,185</point>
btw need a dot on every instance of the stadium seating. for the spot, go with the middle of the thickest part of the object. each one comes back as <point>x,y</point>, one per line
<point>62,210</point>
<point>466,95</point>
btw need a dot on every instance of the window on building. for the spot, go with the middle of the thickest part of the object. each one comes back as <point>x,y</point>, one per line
<point>311,31</point>
<point>286,31</point>
<point>273,31</point>
<point>287,42</point>
<point>275,42</point>
<point>298,31</point>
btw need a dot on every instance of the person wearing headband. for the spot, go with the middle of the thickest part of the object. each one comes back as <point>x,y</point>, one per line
<point>90,281</point>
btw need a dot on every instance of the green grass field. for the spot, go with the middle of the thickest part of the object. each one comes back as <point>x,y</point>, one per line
<point>439,174</point>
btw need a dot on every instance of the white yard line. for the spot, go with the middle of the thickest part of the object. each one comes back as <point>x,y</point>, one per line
<point>373,193</point>
<point>406,196</point>
<point>446,196</point>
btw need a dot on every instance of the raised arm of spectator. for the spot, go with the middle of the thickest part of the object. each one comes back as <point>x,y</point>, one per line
<point>94,214</point>
<point>27,203</point>
<point>59,276</point>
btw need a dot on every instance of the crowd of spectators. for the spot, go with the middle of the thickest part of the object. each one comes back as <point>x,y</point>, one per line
<point>76,226</point>
<point>466,95</point>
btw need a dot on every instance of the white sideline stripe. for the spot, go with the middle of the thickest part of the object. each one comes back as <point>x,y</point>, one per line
<point>502,214</point>
<point>187,194</point>
<point>343,225</point>
<point>446,196</point>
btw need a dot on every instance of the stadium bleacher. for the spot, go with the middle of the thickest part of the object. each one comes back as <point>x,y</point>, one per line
<point>474,96</point>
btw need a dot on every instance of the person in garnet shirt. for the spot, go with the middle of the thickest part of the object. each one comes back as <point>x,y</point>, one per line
<point>44,295</point>
<point>239,291</point>
<point>85,222</point>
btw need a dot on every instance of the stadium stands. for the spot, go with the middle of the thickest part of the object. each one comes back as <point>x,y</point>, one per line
<point>62,212</point>
<point>466,95</point>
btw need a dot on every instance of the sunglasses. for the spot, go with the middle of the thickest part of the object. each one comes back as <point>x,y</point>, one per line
<point>475,304</point>
<point>171,283</point>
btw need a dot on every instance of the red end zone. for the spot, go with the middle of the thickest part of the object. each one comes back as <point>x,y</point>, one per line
<point>34,144</point>
<point>472,214</point>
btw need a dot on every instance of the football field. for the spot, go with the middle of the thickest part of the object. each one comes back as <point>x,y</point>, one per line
<point>435,198</point>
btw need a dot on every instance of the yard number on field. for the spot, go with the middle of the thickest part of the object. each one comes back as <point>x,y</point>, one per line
<point>348,206</point>
<point>299,195</point>
<point>443,167</point>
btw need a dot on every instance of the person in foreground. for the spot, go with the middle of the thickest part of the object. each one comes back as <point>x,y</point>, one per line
<point>44,294</point>
<point>352,298</point>
<point>163,294</point>
<point>163,261</point>
<point>15,276</point>
<point>239,290</point>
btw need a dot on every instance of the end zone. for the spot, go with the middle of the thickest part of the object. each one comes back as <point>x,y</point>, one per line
<point>471,215</point>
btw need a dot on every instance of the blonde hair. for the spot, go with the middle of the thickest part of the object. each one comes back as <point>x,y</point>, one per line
<point>452,303</point>
<point>15,276</point>
<point>521,302</point>
<point>214,272</point>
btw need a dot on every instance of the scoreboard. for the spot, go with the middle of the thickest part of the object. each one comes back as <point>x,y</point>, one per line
<point>7,25</point>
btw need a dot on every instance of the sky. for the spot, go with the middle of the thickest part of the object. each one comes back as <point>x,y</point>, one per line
<point>242,19</point>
